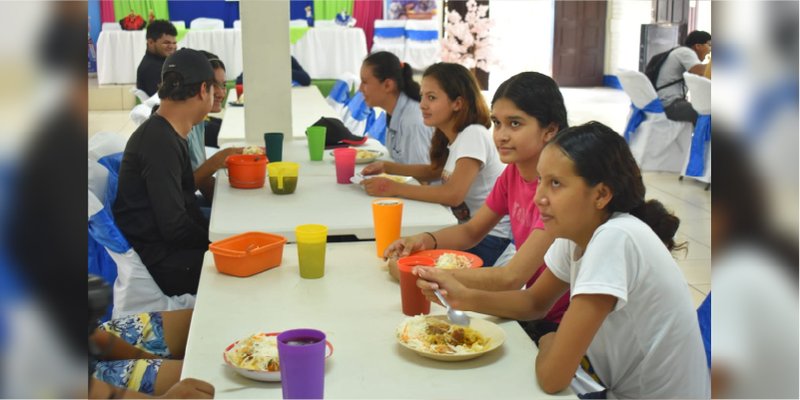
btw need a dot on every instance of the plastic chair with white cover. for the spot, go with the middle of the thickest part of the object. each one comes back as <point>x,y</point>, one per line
<point>135,291</point>
<point>141,112</point>
<point>179,25</point>
<point>298,23</point>
<point>207,23</point>
<point>237,24</point>
<point>339,96</point>
<point>355,114</point>
<point>657,143</point>
<point>111,26</point>
<point>390,35</point>
<point>423,48</point>
<point>698,161</point>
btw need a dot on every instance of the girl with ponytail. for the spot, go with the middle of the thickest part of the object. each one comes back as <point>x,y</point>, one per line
<point>387,83</point>
<point>630,323</point>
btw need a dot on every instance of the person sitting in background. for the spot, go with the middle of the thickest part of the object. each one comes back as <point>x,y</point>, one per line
<point>156,208</point>
<point>387,83</point>
<point>160,45</point>
<point>299,76</point>
<point>670,86</point>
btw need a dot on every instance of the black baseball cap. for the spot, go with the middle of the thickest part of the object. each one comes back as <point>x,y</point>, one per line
<point>192,65</point>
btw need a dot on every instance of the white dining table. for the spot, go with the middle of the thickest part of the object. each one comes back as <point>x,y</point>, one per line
<point>224,43</point>
<point>331,52</point>
<point>357,305</point>
<point>118,56</point>
<point>308,106</point>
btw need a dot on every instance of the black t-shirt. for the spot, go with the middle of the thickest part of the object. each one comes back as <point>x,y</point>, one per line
<point>156,208</point>
<point>148,75</point>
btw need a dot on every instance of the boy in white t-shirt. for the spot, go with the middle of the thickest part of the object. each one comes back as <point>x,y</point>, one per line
<point>630,322</point>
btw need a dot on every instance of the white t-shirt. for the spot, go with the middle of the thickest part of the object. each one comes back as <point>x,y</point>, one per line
<point>679,61</point>
<point>649,346</point>
<point>475,142</point>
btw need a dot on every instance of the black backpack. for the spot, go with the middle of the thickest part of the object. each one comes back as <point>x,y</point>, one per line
<point>654,67</point>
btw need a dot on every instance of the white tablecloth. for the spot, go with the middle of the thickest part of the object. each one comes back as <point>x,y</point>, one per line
<point>331,53</point>
<point>225,43</point>
<point>118,55</point>
<point>357,305</point>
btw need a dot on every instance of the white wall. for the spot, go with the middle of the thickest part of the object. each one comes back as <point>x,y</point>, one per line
<point>703,22</point>
<point>623,30</point>
<point>523,38</point>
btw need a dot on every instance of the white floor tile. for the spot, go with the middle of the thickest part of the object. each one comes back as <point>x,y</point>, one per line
<point>696,272</point>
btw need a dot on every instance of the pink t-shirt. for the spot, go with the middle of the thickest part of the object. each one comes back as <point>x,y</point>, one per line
<point>513,196</point>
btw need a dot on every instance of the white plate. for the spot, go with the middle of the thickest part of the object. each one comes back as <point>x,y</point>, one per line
<point>494,333</point>
<point>368,156</point>
<point>357,178</point>
<point>264,376</point>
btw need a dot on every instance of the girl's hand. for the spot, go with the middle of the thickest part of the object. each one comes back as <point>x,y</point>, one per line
<point>380,187</point>
<point>404,246</point>
<point>374,168</point>
<point>431,279</point>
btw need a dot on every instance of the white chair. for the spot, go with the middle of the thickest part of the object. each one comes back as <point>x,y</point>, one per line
<point>390,35</point>
<point>111,26</point>
<point>298,23</point>
<point>700,97</point>
<point>657,143</point>
<point>179,25</point>
<point>422,43</point>
<point>237,24</point>
<point>140,94</point>
<point>207,23</point>
<point>141,112</point>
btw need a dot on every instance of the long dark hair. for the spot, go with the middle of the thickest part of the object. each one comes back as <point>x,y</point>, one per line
<point>386,65</point>
<point>602,156</point>
<point>457,81</point>
<point>537,95</point>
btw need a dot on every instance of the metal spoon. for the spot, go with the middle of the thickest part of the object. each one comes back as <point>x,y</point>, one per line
<point>457,317</point>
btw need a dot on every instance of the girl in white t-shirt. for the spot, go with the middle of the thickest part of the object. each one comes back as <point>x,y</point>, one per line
<point>630,323</point>
<point>462,155</point>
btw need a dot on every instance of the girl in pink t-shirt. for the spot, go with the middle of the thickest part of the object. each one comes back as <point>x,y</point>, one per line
<point>527,111</point>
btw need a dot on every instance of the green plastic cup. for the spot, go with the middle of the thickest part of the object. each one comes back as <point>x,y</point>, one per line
<point>316,142</point>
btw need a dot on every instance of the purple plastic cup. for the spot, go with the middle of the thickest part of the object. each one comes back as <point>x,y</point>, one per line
<point>302,357</point>
<point>345,164</point>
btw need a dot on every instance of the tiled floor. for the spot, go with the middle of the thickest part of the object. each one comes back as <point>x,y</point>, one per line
<point>687,198</point>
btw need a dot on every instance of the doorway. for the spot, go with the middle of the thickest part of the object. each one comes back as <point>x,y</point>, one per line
<point>579,43</point>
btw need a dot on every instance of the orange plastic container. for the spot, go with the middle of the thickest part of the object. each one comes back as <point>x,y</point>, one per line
<point>247,171</point>
<point>248,253</point>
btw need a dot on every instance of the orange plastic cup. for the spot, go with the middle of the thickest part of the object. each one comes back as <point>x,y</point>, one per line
<point>413,301</point>
<point>387,215</point>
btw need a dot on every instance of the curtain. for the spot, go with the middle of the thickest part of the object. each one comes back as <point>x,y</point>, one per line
<point>142,7</point>
<point>107,11</point>
<point>366,12</point>
<point>327,9</point>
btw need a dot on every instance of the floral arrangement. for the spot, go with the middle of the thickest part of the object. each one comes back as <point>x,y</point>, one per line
<point>466,40</point>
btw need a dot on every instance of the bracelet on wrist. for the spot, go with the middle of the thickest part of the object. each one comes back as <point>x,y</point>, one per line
<point>435,242</point>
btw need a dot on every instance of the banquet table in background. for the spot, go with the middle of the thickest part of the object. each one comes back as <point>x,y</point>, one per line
<point>225,43</point>
<point>357,305</point>
<point>118,55</point>
<point>331,52</point>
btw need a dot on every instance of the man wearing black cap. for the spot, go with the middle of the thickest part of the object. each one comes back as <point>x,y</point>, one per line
<point>156,208</point>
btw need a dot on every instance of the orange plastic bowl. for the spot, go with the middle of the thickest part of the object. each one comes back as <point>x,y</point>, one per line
<point>247,171</point>
<point>248,253</point>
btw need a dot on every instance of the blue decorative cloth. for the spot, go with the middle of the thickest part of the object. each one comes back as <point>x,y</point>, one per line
<point>700,140</point>
<point>704,318</point>
<point>421,35</point>
<point>357,107</point>
<point>638,115</point>
<point>390,32</point>
<point>340,93</point>
<point>376,127</point>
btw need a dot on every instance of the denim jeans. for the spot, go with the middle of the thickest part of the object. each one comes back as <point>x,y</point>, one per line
<point>489,249</point>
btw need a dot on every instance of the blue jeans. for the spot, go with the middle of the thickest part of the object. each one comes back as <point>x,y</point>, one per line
<point>489,249</point>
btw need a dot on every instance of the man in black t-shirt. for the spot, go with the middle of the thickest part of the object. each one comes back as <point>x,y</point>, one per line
<point>160,45</point>
<point>156,208</point>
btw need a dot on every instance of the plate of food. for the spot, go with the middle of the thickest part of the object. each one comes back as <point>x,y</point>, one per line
<point>256,357</point>
<point>364,156</point>
<point>451,259</point>
<point>432,336</point>
<point>357,178</point>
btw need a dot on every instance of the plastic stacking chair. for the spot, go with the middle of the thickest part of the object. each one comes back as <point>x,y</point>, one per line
<point>207,23</point>
<point>698,161</point>
<point>657,143</point>
<point>390,35</point>
<point>422,44</point>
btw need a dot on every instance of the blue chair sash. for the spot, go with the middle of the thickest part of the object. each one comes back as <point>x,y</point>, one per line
<point>638,116</point>
<point>376,127</point>
<point>421,35</point>
<point>700,139</point>
<point>357,107</point>
<point>390,32</point>
<point>704,318</point>
<point>340,93</point>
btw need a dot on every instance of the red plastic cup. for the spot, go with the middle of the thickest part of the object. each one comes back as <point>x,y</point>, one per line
<point>414,302</point>
<point>345,164</point>
<point>239,90</point>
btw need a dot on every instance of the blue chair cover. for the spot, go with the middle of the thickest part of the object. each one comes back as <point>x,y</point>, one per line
<point>704,318</point>
<point>700,139</point>
<point>376,127</point>
<point>422,35</point>
<point>390,32</point>
<point>358,108</point>
<point>639,115</point>
<point>340,93</point>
